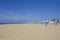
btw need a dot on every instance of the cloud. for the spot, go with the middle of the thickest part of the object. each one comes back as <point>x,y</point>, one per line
<point>17,17</point>
<point>11,16</point>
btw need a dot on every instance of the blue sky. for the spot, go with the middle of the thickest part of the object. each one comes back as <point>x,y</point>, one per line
<point>23,11</point>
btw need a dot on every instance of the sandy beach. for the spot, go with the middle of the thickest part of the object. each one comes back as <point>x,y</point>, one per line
<point>29,32</point>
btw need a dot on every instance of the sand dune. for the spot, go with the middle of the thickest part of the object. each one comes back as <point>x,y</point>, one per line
<point>29,32</point>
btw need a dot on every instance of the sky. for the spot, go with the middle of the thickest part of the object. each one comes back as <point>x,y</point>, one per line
<point>25,11</point>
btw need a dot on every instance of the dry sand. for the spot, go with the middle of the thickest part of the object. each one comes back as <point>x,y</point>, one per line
<point>29,32</point>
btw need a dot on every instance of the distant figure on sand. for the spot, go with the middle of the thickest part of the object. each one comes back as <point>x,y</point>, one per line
<point>46,23</point>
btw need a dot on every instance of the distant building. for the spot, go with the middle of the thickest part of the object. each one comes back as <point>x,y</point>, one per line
<point>46,22</point>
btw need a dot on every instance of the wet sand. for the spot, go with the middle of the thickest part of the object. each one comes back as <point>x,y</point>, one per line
<point>29,32</point>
